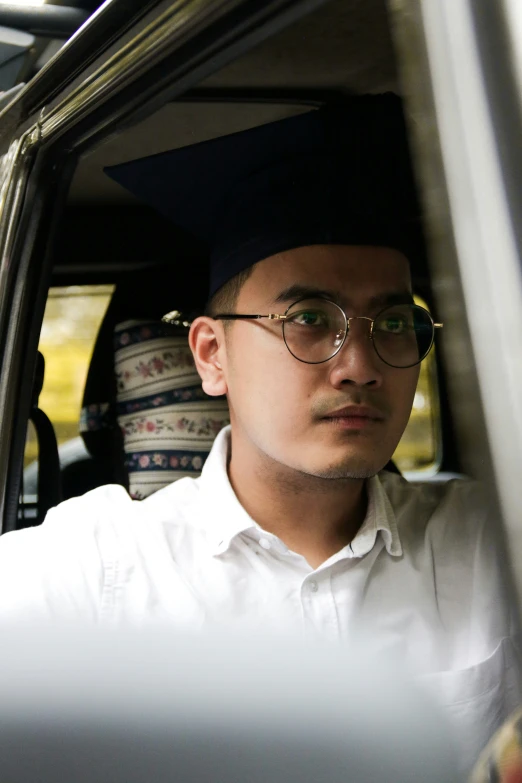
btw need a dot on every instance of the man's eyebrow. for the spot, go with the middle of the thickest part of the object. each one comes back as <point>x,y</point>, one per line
<point>386,300</point>
<point>298,291</point>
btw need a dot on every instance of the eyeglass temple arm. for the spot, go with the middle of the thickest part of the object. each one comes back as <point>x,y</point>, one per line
<point>238,317</point>
<point>438,326</point>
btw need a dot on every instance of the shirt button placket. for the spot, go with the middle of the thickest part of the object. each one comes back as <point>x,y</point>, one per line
<point>309,590</point>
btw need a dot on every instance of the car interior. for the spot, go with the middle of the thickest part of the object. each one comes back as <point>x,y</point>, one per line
<point>105,237</point>
<point>95,387</point>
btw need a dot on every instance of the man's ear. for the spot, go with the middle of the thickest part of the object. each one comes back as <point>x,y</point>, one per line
<point>207,343</point>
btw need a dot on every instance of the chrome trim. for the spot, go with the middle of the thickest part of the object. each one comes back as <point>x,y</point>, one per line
<point>153,43</point>
<point>15,169</point>
<point>26,89</point>
<point>148,45</point>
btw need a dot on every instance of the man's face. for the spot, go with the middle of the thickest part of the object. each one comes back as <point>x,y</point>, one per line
<point>282,407</point>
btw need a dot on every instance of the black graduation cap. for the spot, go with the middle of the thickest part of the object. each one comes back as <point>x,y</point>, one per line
<point>337,175</point>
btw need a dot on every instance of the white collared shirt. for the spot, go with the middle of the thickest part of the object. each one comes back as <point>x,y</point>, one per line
<point>421,575</point>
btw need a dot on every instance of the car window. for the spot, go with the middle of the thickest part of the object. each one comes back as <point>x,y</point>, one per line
<point>73,315</point>
<point>419,452</point>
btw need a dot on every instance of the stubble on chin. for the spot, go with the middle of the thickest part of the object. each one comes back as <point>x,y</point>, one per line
<point>344,473</point>
<point>354,468</point>
<point>298,478</point>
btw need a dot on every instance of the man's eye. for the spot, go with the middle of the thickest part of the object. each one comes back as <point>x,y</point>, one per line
<point>396,324</point>
<point>309,318</point>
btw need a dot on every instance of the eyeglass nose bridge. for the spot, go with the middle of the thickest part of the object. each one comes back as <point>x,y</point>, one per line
<point>355,318</point>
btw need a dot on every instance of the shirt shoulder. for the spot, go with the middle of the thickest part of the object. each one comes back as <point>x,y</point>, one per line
<point>444,510</point>
<point>110,507</point>
<point>56,569</point>
<point>451,528</point>
<point>64,567</point>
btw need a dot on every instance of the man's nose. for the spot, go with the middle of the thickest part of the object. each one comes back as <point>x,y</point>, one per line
<point>357,363</point>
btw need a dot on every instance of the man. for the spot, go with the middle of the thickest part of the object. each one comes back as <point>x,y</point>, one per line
<point>312,334</point>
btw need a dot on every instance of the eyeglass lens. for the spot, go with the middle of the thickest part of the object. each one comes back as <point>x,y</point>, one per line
<point>314,331</point>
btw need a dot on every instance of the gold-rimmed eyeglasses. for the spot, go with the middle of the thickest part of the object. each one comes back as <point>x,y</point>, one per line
<point>315,330</point>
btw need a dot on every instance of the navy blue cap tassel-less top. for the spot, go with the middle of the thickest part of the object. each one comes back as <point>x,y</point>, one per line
<point>337,175</point>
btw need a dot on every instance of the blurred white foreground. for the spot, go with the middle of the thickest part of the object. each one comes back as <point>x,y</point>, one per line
<point>157,706</point>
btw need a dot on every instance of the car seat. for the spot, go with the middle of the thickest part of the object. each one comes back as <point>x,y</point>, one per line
<point>141,296</point>
<point>167,421</point>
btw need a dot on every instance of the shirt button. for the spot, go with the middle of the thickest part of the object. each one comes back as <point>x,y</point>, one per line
<point>264,543</point>
<point>314,587</point>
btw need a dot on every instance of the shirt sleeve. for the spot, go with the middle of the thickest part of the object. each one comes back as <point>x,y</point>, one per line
<point>61,570</point>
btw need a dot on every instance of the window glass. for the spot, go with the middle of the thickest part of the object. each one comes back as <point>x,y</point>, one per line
<point>418,454</point>
<point>73,315</point>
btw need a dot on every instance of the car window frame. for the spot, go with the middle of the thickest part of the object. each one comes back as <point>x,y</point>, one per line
<point>170,49</point>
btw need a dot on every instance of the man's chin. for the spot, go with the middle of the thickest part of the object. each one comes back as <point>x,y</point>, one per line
<point>338,473</point>
<point>347,469</point>
<point>335,464</point>
<point>361,459</point>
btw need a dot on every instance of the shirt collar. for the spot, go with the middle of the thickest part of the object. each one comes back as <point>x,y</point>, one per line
<point>229,518</point>
<point>380,518</point>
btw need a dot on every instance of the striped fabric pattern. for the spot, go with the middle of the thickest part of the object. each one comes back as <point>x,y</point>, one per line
<point>168,422</point>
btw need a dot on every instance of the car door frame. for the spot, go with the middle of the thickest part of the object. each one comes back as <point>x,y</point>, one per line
<point>169,49</point>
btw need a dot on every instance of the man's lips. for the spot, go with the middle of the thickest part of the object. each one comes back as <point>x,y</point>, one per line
<point>357,412</point>
<point>354,417</point>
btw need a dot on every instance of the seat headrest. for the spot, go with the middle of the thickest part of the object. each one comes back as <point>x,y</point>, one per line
<point>167,421</point>
<point>144,294</point>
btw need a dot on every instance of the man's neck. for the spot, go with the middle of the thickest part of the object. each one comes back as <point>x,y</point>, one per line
<point>314,517</point>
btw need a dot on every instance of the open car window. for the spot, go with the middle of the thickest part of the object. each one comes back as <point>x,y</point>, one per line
<point>73,315</point>
<point>419,453</point>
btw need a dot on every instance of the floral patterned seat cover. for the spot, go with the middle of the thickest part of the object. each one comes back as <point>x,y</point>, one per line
<point>168,422</point>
